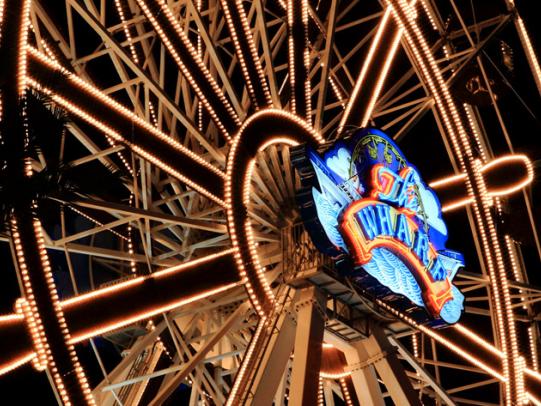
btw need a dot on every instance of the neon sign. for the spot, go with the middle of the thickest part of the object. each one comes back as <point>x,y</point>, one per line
<point>366,206</point>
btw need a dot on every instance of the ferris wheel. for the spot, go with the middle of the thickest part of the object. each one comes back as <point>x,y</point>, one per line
<point>158,163</point>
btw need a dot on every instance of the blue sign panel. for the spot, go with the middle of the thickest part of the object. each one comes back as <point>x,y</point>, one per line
<point>365,205</point>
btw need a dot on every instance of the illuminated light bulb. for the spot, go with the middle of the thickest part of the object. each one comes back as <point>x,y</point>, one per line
<point>1,15</point>
<point>457,204</point>
<point>320,395</point>
<point>255,278</point>
<point>521,390</point>
<point>41,347</point>
<point>530,52</point>
<point>442,340</point>
<point>362,75</point>
<point>501,161</point>
<point>474,129</point>
<point>345,391</point>
<point>340,375</point>
<point>81,377</point>
<point>382,72</point>
<point>133,264</point>
<point>279,140</point>
<point>477,339</point>
<point>152,114</point>
<point>533,348</point>
<point>415,344</point>
<point>448,180</point>
<point>485,344</point>
<point>337,93</point>
<point>535,401</point>
<point>17,363</point>
<point>23,46</point>
<point>98,223</point>
<point>514,266</point>
<point>158,274</point>
<point>11,317</point>
<point>381,78</point>
<point>429,15</point>
<point>30,310</point>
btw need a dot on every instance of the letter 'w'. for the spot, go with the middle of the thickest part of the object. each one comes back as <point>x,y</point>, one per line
<point>367,217</point>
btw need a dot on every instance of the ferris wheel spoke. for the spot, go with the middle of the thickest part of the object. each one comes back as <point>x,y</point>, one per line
<point>396,92</point>
<point>270,177</point>
<point>124,303</point>
<point>193,348</point>
<point>191,65</point>
<point>299,58</point>
<point>272,127</point>
<point>407,119</point>
<point>277,171</point>
<point>327,52</point>
<point>245,49</point>
<point>527,45</point>
<point>270,205</point>
<point>290,175</point>
<point>261,27</point>
<point>373,73</point>
<point>474,359</point>
<point>210,48</point>
<point>265,222</point>
<point>39,304</point>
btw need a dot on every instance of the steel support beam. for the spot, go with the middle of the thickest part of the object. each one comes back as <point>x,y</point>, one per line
<point>327,391</point>
<point>422,372</point>
<point>365,380</point>
<point>271,369</point>
<point>377,350</point>
<point>308,340</point>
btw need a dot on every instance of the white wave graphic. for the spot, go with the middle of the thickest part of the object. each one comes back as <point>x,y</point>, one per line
<point>391,272</point>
